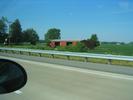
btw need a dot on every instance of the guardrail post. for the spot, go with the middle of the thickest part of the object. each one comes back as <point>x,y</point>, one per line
<point>68,57</point>
<point>5,51</point>
<point>12,51</point>
<point>1,50</point>
<point>52,55</point>
<point>86,59</point>
<point>40,54</point>
<point>29,53</point>
<point>110,61</point>
<point>20,52</point>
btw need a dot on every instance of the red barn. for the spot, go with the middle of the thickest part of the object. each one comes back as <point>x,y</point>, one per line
<point>63,43</point>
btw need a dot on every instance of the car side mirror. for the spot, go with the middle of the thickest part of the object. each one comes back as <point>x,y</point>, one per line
<point>12,76</point>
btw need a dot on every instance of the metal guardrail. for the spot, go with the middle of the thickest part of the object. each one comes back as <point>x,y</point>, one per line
<point>68,54</point>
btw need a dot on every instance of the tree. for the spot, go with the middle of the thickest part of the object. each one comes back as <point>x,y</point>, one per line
<point>89,43</point>
<point>3,36</point>
<point>3,28</point>
<point>30,35</point>
<point>15,32</point>
<point>94,38</point>
<point>52,34</point>
<point>130,43</point>
<point>92,42</point>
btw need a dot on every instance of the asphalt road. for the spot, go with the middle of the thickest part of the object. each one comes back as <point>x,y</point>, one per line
<point>85,65</point>
<point>58,82</point>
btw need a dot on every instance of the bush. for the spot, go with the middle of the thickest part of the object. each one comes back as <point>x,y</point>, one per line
<point>3,36</point>
<point>33,42</point>
<point>91,44</point>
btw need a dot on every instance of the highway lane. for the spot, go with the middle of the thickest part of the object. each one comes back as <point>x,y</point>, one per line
<point>86,65</point>
<point>58,82</point>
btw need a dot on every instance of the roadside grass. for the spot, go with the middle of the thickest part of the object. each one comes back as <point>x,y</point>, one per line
<point>61,57</point>
<point>95,60</point>
<point>125,63</point>
<point>78,59</point>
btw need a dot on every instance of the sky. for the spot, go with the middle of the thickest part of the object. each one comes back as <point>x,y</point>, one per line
<point>111,20</point>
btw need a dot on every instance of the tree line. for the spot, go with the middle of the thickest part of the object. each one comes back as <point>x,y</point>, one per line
<point>12,33</point>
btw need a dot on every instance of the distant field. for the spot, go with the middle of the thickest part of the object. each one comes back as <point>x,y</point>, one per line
<point>125,49</point>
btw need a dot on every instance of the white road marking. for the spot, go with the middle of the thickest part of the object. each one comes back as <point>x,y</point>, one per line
<point>87,71</point>
<point>18,92</point>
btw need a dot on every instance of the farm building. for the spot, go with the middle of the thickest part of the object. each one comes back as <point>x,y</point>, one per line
<point>63,43</point>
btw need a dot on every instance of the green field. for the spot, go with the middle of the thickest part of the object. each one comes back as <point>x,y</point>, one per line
<point>126,49</point>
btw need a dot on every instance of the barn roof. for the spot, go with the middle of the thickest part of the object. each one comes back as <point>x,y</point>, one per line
<point>59,40</point>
